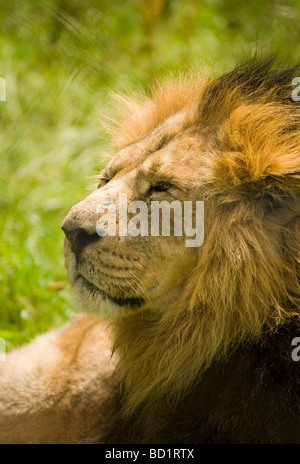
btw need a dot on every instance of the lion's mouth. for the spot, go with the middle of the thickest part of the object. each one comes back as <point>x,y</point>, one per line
<point>132,302</point>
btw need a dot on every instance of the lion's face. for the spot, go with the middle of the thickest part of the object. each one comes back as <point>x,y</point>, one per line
<point>118,273</point>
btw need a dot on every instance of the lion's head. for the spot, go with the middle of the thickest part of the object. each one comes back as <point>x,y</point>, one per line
<point>121,273</point>
<point>232,142</point>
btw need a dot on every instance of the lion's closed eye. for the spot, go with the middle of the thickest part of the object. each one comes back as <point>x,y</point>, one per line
<point>161,186</point>
<point>103,180</point>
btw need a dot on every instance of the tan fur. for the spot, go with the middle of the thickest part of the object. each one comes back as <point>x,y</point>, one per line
<point>238,151</point>
<point>59,388</point>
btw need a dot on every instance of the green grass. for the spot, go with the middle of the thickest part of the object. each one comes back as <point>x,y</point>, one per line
<point>60,60</point>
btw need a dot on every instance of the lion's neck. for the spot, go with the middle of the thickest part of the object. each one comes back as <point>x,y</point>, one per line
<point>161,358</point>
<point>164,355</point>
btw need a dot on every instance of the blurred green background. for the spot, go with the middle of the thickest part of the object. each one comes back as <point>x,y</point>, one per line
<point>60,60</point>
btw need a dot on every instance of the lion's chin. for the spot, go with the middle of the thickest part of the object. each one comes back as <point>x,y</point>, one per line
<point>91,298</point>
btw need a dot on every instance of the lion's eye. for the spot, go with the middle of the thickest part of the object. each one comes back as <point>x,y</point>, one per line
<point>161,187</point>
<point>103,181</point>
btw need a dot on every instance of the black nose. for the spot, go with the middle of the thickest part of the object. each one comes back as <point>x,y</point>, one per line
<point>79,239</point>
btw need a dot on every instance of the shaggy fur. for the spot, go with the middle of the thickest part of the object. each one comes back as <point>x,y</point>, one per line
<point>202,336</point>
<point>216,366</point>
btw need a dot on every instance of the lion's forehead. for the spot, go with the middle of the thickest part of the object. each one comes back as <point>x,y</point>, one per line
<point>165,154</point>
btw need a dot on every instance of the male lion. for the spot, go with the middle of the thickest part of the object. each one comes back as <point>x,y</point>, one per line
<point>202,336</point>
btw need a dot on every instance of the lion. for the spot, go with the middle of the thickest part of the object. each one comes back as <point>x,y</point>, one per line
<point>179,344</point>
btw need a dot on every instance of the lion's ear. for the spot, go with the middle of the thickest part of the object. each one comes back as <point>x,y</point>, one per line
<point>258,141</point>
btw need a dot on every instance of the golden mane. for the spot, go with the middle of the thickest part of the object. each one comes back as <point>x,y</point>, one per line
<point>140,113</point>
<point>246,280</point>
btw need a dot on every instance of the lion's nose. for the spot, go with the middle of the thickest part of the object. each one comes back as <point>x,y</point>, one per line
<point>79,239</point>
<point>79,227</point>
<point>80,224</point>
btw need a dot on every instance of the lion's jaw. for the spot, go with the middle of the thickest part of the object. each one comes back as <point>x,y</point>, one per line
<point>115,275</point>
